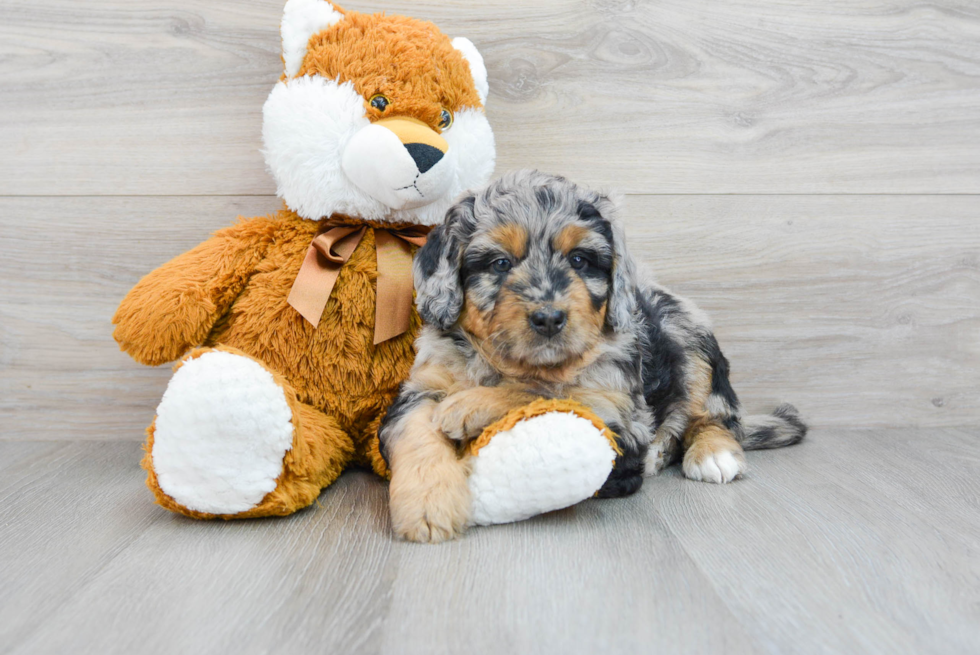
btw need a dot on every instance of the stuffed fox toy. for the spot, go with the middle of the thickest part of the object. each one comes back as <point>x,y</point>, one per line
<point>295,330</point>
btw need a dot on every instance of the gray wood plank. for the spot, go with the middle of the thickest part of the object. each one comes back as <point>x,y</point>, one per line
<point>847,531</point>
<point>65,513</point>
<point>61,374</point>
<point>862,310</point>
<point>805,96</point>
<point>312,582</point>
<point>603,577</point>
<point>856,541</point>
<point>18,454</point>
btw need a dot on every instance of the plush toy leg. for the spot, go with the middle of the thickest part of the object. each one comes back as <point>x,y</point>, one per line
<point>546,456</point>
<point>231,440</point>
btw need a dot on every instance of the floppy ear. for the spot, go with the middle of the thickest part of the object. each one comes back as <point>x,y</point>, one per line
<point>477,68</point>
<point>438,289</point>
<point>622,305</point>
<point>301,19</point>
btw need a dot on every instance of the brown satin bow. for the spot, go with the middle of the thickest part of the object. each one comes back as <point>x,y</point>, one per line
<point>332,248</point>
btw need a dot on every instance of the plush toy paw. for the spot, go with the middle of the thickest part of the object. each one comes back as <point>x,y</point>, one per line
<point>718,465</point>
<point>221,432</point>
<point>546,456</point>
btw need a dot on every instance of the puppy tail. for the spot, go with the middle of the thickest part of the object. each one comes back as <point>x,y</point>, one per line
<point>783,427</point>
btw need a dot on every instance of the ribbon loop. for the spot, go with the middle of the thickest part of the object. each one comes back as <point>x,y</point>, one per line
<point>330,250</point>
<point>335,245</point>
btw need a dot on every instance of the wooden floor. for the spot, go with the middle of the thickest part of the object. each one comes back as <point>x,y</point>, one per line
<point>807,171</point>
<point>853,542</point>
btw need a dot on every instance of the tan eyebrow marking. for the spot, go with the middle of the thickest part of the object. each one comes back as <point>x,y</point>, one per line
<point>513,238</point>
<point>569,237</point>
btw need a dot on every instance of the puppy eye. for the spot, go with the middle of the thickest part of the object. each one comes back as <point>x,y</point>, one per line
<point>445,119</point>
<point>578,262</point>
<point>501,265</point>
<point>379,102</point>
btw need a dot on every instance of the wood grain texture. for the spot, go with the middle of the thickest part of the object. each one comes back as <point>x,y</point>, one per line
<point>130,130</point>
<point>856,512</point>
<point>855,541</point>
<point>862,310</point>
<point>802,96</point>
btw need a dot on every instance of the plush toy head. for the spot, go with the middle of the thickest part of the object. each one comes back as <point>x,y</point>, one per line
<point>378,117</point>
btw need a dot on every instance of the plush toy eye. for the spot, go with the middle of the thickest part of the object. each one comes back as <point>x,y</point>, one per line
<point>578,262</point>
<point>445,119</point>
<point>379,102</point>
<point>501,265</point>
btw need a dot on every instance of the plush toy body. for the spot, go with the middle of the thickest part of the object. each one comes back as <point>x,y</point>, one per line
<point>289,354</point>
<point>268,381</point>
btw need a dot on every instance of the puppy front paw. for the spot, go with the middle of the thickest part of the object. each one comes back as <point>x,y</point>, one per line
<point>718,465</point>
<point>459,417</point>
<point>430,504</point>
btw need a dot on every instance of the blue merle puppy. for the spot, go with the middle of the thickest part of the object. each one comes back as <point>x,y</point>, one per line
<point>528,291</point>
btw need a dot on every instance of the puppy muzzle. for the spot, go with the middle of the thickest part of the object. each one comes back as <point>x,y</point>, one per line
<point>400,162</point>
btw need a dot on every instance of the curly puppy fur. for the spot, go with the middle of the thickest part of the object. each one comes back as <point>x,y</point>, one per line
<point>528,291</point>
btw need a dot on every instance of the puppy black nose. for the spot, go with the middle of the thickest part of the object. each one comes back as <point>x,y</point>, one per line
<point>548,321</point>
<point>425,156</point>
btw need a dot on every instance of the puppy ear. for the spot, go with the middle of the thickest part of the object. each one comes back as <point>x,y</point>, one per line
<point>621,308</point>
<point>438,289</point>
<point>477,68</point>
<point>301,19</point>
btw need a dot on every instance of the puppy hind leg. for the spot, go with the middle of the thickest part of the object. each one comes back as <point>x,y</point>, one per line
<point>712,454</point>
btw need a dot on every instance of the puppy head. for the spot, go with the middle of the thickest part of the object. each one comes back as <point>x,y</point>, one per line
<point>532,266</point>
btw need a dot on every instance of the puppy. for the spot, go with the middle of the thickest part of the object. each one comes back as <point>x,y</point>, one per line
<point>528,291</point>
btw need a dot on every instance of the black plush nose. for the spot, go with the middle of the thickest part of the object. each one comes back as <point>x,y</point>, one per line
<point>425,156</point>
<point>548,321</point>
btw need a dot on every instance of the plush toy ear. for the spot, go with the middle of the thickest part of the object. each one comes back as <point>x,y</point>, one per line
<point>301,19</point>
<point>477,68</point>
<point>438,289</point>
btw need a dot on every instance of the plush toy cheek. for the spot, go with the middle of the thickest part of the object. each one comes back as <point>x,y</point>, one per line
<point>380,165</point>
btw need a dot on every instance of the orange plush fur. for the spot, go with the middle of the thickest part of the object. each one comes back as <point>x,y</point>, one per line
<point>362,48</point>
<point>229,293</point>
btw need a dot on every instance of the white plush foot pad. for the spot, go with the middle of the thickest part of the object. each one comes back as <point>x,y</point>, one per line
<point>542,464</point>
<point>222,429</point>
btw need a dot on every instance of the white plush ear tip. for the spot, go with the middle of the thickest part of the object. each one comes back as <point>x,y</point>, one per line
<point>301,19</point>
<point>477,67</point>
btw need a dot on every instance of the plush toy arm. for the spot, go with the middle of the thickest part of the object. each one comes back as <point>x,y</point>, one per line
<point>173,308</point>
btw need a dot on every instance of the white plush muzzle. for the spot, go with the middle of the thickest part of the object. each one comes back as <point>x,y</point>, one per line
<point>380,165</point>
